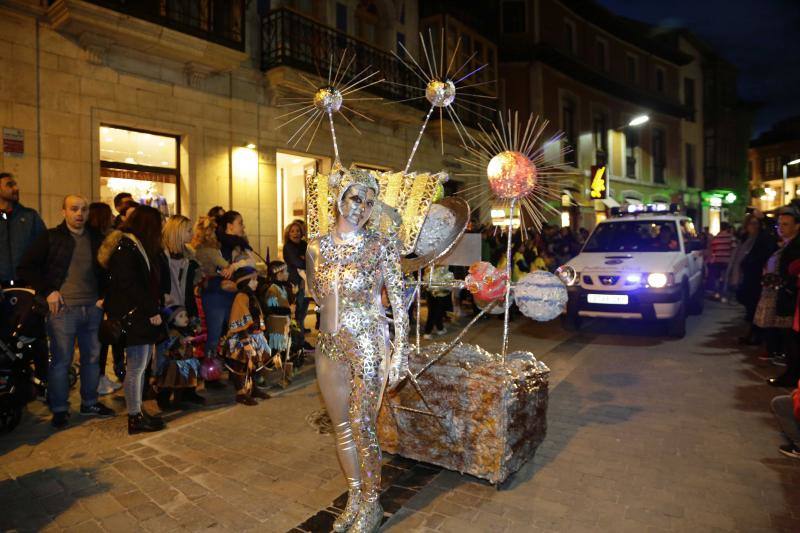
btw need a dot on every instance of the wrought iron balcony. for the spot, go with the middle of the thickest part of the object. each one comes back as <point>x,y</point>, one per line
<point>218,21</point>
<point>293,40</point>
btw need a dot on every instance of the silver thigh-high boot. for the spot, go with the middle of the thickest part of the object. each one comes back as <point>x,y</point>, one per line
<point>346,447</point>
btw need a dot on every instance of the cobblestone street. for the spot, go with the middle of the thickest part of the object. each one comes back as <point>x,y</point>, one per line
<point>645,434</point>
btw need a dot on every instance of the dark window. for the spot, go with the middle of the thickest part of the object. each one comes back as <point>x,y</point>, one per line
<point>602,55</point>
<point>514,17</point>
<point>688,96</point>
<point>402,12</point>
<point>600,137</point>
<point>569,36</point>
<point>341,17</point>
<point>770,168</point>
<point>659,80</point>
<point>633,67</point>
<point>690,165</point>
<point>401,39</point>
<point>570,133</point>
<point>631,142</point>
<point>659,157</point>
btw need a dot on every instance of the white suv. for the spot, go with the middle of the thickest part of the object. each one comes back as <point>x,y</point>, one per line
<point>640,266</point>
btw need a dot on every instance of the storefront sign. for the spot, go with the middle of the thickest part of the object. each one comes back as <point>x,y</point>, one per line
<point>599,189</point>
<point>13,142</point>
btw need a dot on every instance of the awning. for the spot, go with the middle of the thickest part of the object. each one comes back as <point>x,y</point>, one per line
<point>632,201</point>
<point>610,202</point>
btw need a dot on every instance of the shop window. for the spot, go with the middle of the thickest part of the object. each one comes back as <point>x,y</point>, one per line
<point>142,163</point>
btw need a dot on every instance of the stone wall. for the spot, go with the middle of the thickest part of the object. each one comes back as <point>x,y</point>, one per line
<point>61,102</point>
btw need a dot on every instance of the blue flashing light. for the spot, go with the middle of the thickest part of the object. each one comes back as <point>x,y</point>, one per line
<point>633,278</point>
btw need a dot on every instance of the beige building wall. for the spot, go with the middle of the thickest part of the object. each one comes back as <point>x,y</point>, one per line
<point>60,92</point>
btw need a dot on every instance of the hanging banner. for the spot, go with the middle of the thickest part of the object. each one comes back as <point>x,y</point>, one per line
<point>13,142</point>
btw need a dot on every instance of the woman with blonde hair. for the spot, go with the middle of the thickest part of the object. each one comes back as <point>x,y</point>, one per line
<point>180,273</point>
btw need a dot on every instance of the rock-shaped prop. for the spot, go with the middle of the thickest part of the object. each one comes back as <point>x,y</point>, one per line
<point>488,416</point>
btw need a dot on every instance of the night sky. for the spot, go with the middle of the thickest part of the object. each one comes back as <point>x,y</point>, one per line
<point>760,37</point>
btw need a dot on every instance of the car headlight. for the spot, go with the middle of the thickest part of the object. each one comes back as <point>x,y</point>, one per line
<point>657,280</point>
<point>567,274</point>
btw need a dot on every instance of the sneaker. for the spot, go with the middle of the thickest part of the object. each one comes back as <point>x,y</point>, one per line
<point>427,336</point>
<point>790,450</point>
<point>60,420</point>
<point>441,332</point>
<point>97,409</point>
<point>105,386</point>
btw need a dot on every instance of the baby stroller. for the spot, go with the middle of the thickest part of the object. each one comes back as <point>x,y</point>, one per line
<point>23,353</point>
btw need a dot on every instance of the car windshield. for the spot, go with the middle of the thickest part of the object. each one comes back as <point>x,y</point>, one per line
<point>634,236</point>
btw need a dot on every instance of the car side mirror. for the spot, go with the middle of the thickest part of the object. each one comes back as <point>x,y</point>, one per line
<point>693,246</point>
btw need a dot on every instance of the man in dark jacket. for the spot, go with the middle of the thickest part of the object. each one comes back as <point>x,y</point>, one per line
<point>19,227</point>
<point>61,265</point>
<point>785,305</point>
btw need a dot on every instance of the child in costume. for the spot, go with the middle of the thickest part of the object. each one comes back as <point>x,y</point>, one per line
<point>245,348</point>
<point>177,367</point>
<point>277,298</point>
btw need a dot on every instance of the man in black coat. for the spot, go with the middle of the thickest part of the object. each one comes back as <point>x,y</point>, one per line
<point>786,303</point>
<point>61,265</point>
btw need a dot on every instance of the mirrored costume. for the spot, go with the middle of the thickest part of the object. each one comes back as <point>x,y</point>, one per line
<point>354,353</point>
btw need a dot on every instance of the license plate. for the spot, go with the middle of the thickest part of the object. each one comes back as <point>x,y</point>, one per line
<point>614,299</point>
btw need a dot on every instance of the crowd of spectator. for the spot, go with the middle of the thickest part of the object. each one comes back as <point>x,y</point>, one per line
<point>758,264</point>
<point>177,303</point>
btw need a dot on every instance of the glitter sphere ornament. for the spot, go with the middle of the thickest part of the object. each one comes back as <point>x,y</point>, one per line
<point>487,284</point>
<point>511,175</point>
<point>540,296</point>
<point>328,99</point>
<point>440,93</point>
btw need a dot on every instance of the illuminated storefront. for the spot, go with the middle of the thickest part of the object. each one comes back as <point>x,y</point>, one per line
<point>145,164</point>
<point>292,170</point>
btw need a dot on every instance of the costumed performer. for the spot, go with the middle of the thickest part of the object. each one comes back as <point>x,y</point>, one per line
<point>347,268</point>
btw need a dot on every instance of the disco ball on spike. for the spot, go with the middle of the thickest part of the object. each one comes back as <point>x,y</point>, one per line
<point>440,93</point>
<point>511,175</point>
<point>328,99</point>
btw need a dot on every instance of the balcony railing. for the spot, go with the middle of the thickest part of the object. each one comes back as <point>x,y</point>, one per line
<point>293,40</point>
<point>217,21</point>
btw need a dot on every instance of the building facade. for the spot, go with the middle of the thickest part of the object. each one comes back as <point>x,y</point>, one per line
<point>774,166</point>
<point>180,103</point>
<point>591,74</point>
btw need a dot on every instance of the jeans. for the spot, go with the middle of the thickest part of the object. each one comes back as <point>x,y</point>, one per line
<point>783,408</point>
<point>301,308</point>
<point>137,359</point>
<point>217,307</point>
<point>118,352</point>
<point>81,322</point>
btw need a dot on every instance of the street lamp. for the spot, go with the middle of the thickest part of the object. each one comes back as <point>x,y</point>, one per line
<point>639,120</point>
<point>785,172</point>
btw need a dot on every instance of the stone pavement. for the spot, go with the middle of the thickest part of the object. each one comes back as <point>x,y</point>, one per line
<point>645,434</point>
